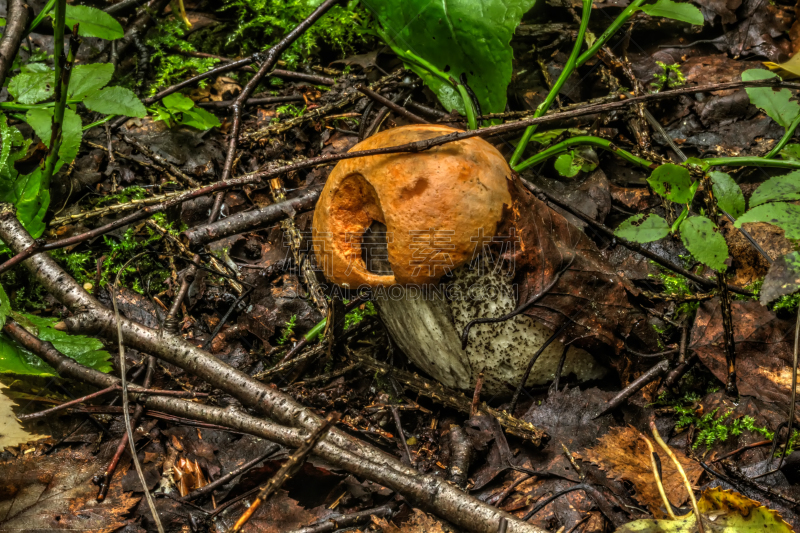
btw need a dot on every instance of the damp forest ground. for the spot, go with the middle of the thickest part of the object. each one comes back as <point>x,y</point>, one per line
<point>569,455</point>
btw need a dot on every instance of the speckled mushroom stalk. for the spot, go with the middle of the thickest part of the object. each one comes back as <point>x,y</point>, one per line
<point>413,228</point>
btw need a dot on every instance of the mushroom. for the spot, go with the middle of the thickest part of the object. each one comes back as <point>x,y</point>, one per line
<point>412,228</point>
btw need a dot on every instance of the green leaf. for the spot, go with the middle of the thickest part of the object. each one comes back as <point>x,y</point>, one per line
<point>643,228</point>
<point>94,23</point>
<point>177,102</point>
<point>85,350</point>
<point>5,306</point>
<point>41,120</point>
<point>86,79</point>
<point>791,152</point>
<point>14,359</point>
<point>785,216</point>
<point>567,164</point>
<point>777,104</point>
<point>777,188</point>
<point>672,182</point>
<point>705,242</point>
<point>116,101</point>
<point>199,118</point>
<point>457,37</point>
<point>728,194</point>
<point>71,135</point>
<point>722,511</point>
<point>675,11</point>
<point>31,202</point>
<point>32,88</point>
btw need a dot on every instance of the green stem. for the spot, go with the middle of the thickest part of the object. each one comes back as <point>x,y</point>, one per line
<point>316,330</point>
<point>410,57</point>
<point>785,139</point>
<point>101,121</point>
<point>551,96</point>
<point>749,162</point>
<point>611,30</point>
<point>563,146</point>
<point>40,17</point>
<point>62,75</point>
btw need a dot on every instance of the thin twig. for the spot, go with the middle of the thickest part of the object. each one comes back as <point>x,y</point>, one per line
<point>655,462</point>
<point>681,472</point>
<point>267,64</point>
<point>207,489</point>
<point>635,386</point>
<point>125,402</point>
<point>400,110</point>
<point>68,404</point>
<point>289,468</point>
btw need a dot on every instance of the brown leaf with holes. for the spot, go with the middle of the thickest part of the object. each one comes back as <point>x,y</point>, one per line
<point>764,348</point>
<point>55,492</point>
<point>419,523</point>
<point>623,455</point>
<point>589,292</point>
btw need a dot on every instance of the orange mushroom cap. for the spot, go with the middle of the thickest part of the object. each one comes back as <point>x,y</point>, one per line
<point>437,206</point>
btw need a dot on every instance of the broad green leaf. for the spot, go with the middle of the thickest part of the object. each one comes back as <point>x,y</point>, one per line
<point>777,104</point>
<point>722,511</point>
<point>791,152</point>
<point>783,278</point>
<point>14,359</point>
<point>31,202</point>
<point>199,118</point>
<point>86,79</point>
<point>94,23</point>
<point>785,216</point>
<point>672,182</point>
<point>85,350</point>
<point>643,228</point>
<point>675,11</point>
<point>777,188</point>
<point>72,133</point>
<point>458,37</point>
<point>5,306</point>
<point>728,194</point>
<point>32,88</point>
<point>177,102</point>
<point>568,165</point>
<point>41,120</point>
<point>115,101</point>
<point>705,242</point>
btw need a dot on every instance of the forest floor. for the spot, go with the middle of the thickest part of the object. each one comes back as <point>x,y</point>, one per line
<point>222,324</point>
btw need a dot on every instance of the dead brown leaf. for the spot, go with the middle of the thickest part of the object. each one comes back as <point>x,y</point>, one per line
<point>623,455</point>
<point>764,346</point>
<point>419,523</point>
<point>589,292</point>
<point>56,493</point>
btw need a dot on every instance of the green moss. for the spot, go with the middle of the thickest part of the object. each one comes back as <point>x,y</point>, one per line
<point>787,304</point>
<point>288,331</point>
<point>669,77</point>
<point>355,316</point>
<point>78,264</point>
<point>146,269</point>
<point>261,23</point>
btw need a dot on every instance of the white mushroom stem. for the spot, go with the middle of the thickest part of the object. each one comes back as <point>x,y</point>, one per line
<point>427,324</point>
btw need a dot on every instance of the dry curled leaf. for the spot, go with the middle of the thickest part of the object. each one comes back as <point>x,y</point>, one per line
<point>623,455</point>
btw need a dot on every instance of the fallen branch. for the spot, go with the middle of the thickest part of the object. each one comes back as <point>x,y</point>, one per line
<point>15,26</point>
<point>432,493</point>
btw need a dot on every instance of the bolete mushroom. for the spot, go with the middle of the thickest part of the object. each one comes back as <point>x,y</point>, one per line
<point>413,227</point>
